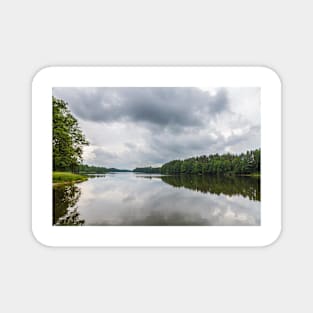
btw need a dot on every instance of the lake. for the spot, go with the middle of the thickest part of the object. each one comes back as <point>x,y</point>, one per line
<point>158,200</point>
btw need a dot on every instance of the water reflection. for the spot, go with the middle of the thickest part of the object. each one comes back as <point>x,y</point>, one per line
<point>65,211</point>
<point>132,199</point>
<point>227,185</point>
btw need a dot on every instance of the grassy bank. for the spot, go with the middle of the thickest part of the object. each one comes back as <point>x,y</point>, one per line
<point>67,177</point>
<point>253,175</point>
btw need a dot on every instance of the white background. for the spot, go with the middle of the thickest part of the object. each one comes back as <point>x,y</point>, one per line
<point>35,34</point>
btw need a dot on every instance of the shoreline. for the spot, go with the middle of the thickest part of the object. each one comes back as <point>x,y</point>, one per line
<point>63,178</point>
<point>55,184</point>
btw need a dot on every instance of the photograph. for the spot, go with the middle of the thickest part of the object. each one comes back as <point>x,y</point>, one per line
<point>156,156</point>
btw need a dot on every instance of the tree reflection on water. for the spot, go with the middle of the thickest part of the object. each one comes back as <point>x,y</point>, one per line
<point>228,185</point>
<point>65,199</point>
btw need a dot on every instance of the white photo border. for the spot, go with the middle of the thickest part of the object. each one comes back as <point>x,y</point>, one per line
<point>157,236</point>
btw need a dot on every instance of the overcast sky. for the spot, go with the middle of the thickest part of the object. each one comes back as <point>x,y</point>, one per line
<point>135,127</point>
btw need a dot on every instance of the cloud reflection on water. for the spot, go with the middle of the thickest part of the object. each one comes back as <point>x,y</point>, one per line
<point>124,199</point>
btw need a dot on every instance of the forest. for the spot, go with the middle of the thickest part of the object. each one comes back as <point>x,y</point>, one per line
<point>226,164</point>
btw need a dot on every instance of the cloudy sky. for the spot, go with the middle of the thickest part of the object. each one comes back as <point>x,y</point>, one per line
<point>143,126</point>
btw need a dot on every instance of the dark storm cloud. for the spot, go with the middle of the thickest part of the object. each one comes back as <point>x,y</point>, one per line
<point>134,127</point>
<point>182,145</point>
<point>175,107</point>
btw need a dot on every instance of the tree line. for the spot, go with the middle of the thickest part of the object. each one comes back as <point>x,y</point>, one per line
<point>244,163</point>
<point>148,169</point>
<point>90,169</point>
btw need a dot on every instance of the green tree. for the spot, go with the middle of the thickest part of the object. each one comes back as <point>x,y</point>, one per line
<point>68,139</point>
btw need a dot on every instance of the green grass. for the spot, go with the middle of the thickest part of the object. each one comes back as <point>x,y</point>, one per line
<point>255,175</point>
<point>67,177</point>
<point>251,175</point>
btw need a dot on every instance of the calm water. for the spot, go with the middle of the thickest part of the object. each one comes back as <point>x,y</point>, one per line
<point>145,199</point>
